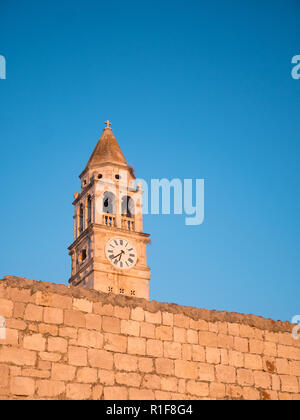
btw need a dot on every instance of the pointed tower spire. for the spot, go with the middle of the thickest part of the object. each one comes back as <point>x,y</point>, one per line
<point>107,149</point>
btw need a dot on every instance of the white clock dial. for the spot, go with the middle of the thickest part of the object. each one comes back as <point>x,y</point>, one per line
<point>120,253</point>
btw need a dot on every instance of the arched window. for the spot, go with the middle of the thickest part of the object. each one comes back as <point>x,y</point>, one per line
<point>89,209</point>
<point>109,203</point>
<point>81,218</point>
<point>127,206</point>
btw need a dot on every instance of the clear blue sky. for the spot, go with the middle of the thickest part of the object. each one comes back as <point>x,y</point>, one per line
<point>194,89</point>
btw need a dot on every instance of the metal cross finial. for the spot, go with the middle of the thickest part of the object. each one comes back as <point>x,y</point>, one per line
<point>108,123</point>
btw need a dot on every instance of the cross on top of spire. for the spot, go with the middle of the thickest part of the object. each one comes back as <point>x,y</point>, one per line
<point>108,123</point>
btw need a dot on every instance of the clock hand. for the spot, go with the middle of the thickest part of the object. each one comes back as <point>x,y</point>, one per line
<point>122,252</point>
<point>116,256</point>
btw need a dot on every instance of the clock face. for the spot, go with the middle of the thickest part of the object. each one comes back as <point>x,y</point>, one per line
<point>121,253</point>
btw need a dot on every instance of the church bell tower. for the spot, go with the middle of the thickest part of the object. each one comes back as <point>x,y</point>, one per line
<point>109,248</point>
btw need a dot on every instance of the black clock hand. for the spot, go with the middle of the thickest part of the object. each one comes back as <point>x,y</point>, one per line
<point>122,252</point>
<point>116,256</point>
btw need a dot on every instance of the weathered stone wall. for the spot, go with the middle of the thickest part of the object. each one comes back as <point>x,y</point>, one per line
<point>68,343</point>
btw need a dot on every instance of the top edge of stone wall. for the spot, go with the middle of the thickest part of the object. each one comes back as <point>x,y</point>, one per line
<point>151,306</point>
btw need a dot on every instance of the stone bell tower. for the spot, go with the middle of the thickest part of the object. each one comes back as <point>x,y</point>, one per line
<point>109,248</point>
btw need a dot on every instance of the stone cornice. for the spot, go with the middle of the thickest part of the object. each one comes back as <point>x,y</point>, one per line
<point>107,229</point>
<point>100,165</point>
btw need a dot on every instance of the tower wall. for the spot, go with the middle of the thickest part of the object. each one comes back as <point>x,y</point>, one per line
<point>74,343</point>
